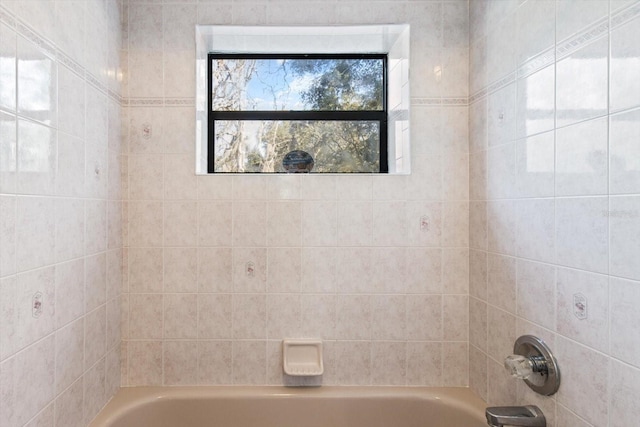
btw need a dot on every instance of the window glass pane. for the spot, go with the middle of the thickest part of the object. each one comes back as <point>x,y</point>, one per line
<point>326,84</point>
<point>260,146</point>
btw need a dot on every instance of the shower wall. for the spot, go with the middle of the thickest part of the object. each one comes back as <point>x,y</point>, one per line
<point>221,268</point>
<point>554,206</point>
<point>60,210</point>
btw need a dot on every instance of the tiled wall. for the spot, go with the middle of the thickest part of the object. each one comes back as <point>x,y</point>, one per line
<point>554,201</point>
<point>60,210</point>
<point>377,266</point>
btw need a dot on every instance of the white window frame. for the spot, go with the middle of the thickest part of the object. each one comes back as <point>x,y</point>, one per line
<point>392,40</point>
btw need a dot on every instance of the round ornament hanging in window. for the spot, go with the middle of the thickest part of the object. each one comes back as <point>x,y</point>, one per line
<point>297,161</point>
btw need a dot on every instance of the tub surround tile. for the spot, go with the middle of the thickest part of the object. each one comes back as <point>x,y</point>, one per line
<point>455,361</point>
<point>284,270</point>
<point>561,198</point>
<point>535,24</point>
<point>624,229</point>
<point>144,363</point>
<point>325,204</point>
<point>455,270</point>
<point>284,224</point>
<point>582,92</point>
<point>94,391</point>
<point>35,229</point>
<point>501,227</point>
<point>145,177</point>
<point>501,120</point>
<point>478,227</point>
<point>95,292</point>
<point>624,385</point>
<point>7,235</point>
<point>501,333</point>
<point>215,362</point>
<point>424,361</point>
<point>95,330</point>
<point>590,327</point>
<point>354,364</point>
<point>145,316</point>
<point>533,281</point>
<point>215,221</point>
<point>582,233</point>
<point>455,312</point>
<point>180,224</point>
<point>29,328</point>
<point>249,316</point>
<point>69,349</point>
<point>249,362</point>
<point>501,46</point>
<point>180,316</point>
<point>478,270</point>
<point>535,167</point>
<point>8,339</point>
<point>536,102</point>
<point>180,270</point>
<point>573,16</point>
<point>68,406</point>
<point>584,394</point>
<point>501,279</point>
<point>478,372</point>
<point>581,158</point>
<point>478,324</point>
<point>283,315</point>
<point>215,270</point>
<point>536,229</point>
<point>526,396</point>
<point>624,177</point>
<point>501,389</point>
<point>624,340</point>
<point>388,363</point>
<point>145,270</point>
<point>624,63</point>
<point>249,269</point>
<point>501,174</point>
<point>180,362</point>
<point>69,291</point>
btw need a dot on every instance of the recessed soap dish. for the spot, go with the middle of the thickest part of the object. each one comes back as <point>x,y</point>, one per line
<point>302,357</point>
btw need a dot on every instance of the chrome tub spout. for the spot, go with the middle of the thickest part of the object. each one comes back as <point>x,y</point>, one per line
<point>525,416</point>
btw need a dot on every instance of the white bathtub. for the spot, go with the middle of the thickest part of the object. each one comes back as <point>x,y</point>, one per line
<point>292,407</point>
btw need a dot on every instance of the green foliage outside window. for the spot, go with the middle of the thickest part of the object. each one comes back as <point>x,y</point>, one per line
<point>332,108</point>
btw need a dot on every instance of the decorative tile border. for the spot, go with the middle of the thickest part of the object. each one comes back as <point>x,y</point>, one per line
<point>145,102</point>
<point>461,101</point>
<point>548,57</point>
<point>160,102</point>
<point>538,62</point>
<point>600,29</point>
<point>505,81</point>
<point>478,95</point>
<point>55,53</point>
<point>7,18</point>
<point>565,48</point>
<point>179,102</point>
<point>625,15</point>
<point>26,32</point>
<point>117,97</point>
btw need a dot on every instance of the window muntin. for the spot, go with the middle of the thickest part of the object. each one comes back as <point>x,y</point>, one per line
<point>262,106</point>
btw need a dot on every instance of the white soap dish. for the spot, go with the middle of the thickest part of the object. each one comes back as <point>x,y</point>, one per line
<point>302,357</point>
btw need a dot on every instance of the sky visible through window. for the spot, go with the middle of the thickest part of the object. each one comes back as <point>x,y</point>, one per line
<point>286,84</point>
<point>325,89</point>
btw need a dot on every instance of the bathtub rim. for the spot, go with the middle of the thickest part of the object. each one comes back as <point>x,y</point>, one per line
<point>127,399</point>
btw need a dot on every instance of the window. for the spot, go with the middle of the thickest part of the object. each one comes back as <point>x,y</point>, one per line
<point>263,106</point>
<point>391,42</point>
